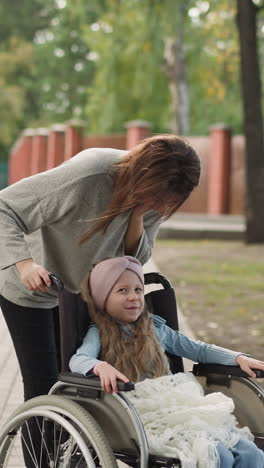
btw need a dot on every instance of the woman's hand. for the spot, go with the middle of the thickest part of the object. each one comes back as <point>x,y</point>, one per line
<point>35,277</point>
<point>155,204</point>
<point>247,363</point>
<point>108,376</point>
<point>139,210</point>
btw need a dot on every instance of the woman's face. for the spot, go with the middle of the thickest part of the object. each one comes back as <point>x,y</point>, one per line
<point>125,302</point>
<point>161,203</point>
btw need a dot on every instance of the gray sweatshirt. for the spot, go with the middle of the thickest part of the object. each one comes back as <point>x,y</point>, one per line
<point>43,216</point>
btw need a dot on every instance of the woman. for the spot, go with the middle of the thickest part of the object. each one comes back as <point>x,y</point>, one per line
<point>101,203</point>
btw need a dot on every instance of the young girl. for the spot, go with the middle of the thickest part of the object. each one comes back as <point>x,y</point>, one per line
<point>131,343</point>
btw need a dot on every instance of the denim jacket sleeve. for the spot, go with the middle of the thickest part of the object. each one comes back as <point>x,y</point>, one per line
<point>85,358</point>
<point>180,345</point>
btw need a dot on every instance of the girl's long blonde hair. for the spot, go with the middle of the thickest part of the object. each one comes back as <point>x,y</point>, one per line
<point>164,166</point>
<point>136,352</point>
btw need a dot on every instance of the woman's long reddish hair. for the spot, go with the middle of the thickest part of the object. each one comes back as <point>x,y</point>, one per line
<point>163,166</point>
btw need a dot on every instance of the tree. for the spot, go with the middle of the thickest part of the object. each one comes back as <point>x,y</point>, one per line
<point>164,61</point>
<point>62,68</point>
<point>247,12</point>
<point>19,23</point>
<point>213,66</point>
<point>14,62</point>
<point>44,63</point>
<point>111,61</point>
<point>22,18</point>
<point>129,82</point>
<point>175,67</point>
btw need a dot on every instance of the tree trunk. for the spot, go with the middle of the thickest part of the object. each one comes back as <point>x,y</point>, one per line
<point>181,72</point>
<point>253,123</point>
<point>175,69</point>
<point>170,69</point>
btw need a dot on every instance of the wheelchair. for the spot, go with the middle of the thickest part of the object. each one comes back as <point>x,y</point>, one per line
<point>79,425</point>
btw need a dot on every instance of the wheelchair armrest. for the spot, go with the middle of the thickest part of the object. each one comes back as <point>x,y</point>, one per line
<point>92,381</point>
<point>236,371</point>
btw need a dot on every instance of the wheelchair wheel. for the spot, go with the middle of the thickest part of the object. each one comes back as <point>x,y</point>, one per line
<point>54,432</point>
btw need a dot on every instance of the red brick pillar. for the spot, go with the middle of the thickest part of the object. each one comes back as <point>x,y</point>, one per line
<point>137,130</point>
<point>73,139</point>
<point>55,153</point>
<point>39,151</point>
<point>219,169</point>
<point>20,157</point>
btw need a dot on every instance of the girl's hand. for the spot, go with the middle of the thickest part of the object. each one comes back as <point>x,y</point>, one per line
<point>108,376</point>
<point>247,363</point>
<point>33,276</point>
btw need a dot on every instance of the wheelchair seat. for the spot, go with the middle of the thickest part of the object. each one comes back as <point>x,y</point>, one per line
<point>105,428</point>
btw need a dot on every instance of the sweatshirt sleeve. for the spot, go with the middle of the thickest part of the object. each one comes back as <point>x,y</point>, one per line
<point>20,213</point>
<point>152,221</point>
<point>37,201</point>
<point>85,358</point>
<point>180,345</point>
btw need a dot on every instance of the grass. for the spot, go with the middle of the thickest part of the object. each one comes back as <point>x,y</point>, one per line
<point>219,287</point>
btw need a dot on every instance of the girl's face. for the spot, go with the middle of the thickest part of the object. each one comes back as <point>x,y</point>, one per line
<point>126,300</point>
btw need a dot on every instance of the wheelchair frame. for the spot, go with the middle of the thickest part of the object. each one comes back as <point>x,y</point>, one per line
<point>114,420</point>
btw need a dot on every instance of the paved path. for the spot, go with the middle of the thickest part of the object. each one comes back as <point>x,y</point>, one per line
<point>203,226</point>
<point>11,391</point>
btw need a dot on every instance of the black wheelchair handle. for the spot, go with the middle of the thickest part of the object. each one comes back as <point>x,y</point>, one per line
<point>259,373</point>
<point>149,278</point>
<point>156,278</point>
<point>56,282</point>
<point>235,371</point>
<point>92,381</point>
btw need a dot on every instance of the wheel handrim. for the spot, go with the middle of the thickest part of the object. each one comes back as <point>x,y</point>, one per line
<point>61,455</point>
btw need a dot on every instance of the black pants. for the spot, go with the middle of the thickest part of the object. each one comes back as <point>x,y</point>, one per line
<point>35,334</point>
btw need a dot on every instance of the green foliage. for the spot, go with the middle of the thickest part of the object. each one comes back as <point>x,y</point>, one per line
<point>130,82</point>
<point>213,65</point>
<point>19,21</point>
<point>22,18</point>
<point>103,62</point>
<point>62,69</point>
<point>13,62</point>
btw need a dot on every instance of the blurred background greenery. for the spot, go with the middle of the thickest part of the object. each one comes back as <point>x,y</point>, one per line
<point>109,61</point>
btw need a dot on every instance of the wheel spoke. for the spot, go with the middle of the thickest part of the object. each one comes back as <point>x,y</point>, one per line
<point>57,433</point>
<point>41,448</point>
<point>17,452</point>
<point>34,460</point>
<point>43,442</point>
<point>58,446</point>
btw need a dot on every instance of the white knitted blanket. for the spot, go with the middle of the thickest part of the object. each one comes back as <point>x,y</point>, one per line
<point>180,421</point>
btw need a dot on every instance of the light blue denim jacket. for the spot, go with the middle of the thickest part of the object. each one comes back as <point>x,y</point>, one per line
<point>170,340</point>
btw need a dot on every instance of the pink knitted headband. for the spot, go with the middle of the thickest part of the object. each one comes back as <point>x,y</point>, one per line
<point>104,276</point>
